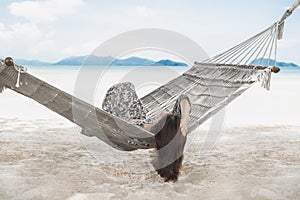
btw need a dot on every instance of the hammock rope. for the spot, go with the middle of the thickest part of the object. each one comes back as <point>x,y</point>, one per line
<point>232,52</point>
<point>255,49</point>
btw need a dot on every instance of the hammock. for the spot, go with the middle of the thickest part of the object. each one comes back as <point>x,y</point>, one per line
<point>210,85</point>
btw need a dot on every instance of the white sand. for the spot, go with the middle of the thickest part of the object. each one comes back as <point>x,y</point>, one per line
<point>44,160</point>
<point>42,156</point>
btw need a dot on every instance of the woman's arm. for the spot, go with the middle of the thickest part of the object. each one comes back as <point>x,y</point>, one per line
<point>185,116</point>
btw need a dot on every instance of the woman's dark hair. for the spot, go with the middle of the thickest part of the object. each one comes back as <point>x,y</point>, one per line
<point>170,144</point>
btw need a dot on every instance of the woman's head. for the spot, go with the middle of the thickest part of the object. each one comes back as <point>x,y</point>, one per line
<point>170,144</point>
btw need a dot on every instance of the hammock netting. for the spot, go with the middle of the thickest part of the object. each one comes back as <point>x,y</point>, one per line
<point>210,86</point>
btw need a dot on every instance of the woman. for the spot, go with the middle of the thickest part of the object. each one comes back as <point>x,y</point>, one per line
<point>170,128</point>
<point>170,143</point>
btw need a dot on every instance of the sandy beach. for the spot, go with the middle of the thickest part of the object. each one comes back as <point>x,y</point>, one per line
<point>43,156</point>
<point>249,150</point>
<point>44,160</point>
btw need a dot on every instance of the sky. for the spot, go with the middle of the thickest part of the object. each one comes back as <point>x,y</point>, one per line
<point>50,30</point>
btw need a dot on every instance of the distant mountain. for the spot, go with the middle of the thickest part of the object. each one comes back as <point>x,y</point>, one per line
<point>101,61</point>
<point>265,62</point>
<point>93,60</point>
<point>169,63</point>
<point>133,61</point>
<point>74,60</point>
<point>87,60</point>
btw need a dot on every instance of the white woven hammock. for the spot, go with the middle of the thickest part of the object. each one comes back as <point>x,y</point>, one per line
<point>210,85</point>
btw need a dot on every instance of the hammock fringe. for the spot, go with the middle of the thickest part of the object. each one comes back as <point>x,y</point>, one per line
<point>2,88</point>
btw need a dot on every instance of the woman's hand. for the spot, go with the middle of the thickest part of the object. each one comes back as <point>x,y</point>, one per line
<point>185,116</point>
<point>184,126</point>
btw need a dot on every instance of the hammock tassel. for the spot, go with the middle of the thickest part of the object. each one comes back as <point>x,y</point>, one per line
<point>280,30</point>
<point>1,88</point>
<point>21,70</point>
<point>18,79</point>
<point>265,78</point>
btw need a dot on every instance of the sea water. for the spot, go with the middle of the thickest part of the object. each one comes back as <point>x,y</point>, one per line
<point>280,105</point>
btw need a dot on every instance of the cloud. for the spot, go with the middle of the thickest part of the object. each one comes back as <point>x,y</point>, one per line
<point>19,40</point>
<point>45,11</point>
<point>42,47</point>
<point>144,11</point>
<point>32,38</point>
<point>288,43</point>
<point>83,49</point>
<point>139,11</point>
<point>19,31</point>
